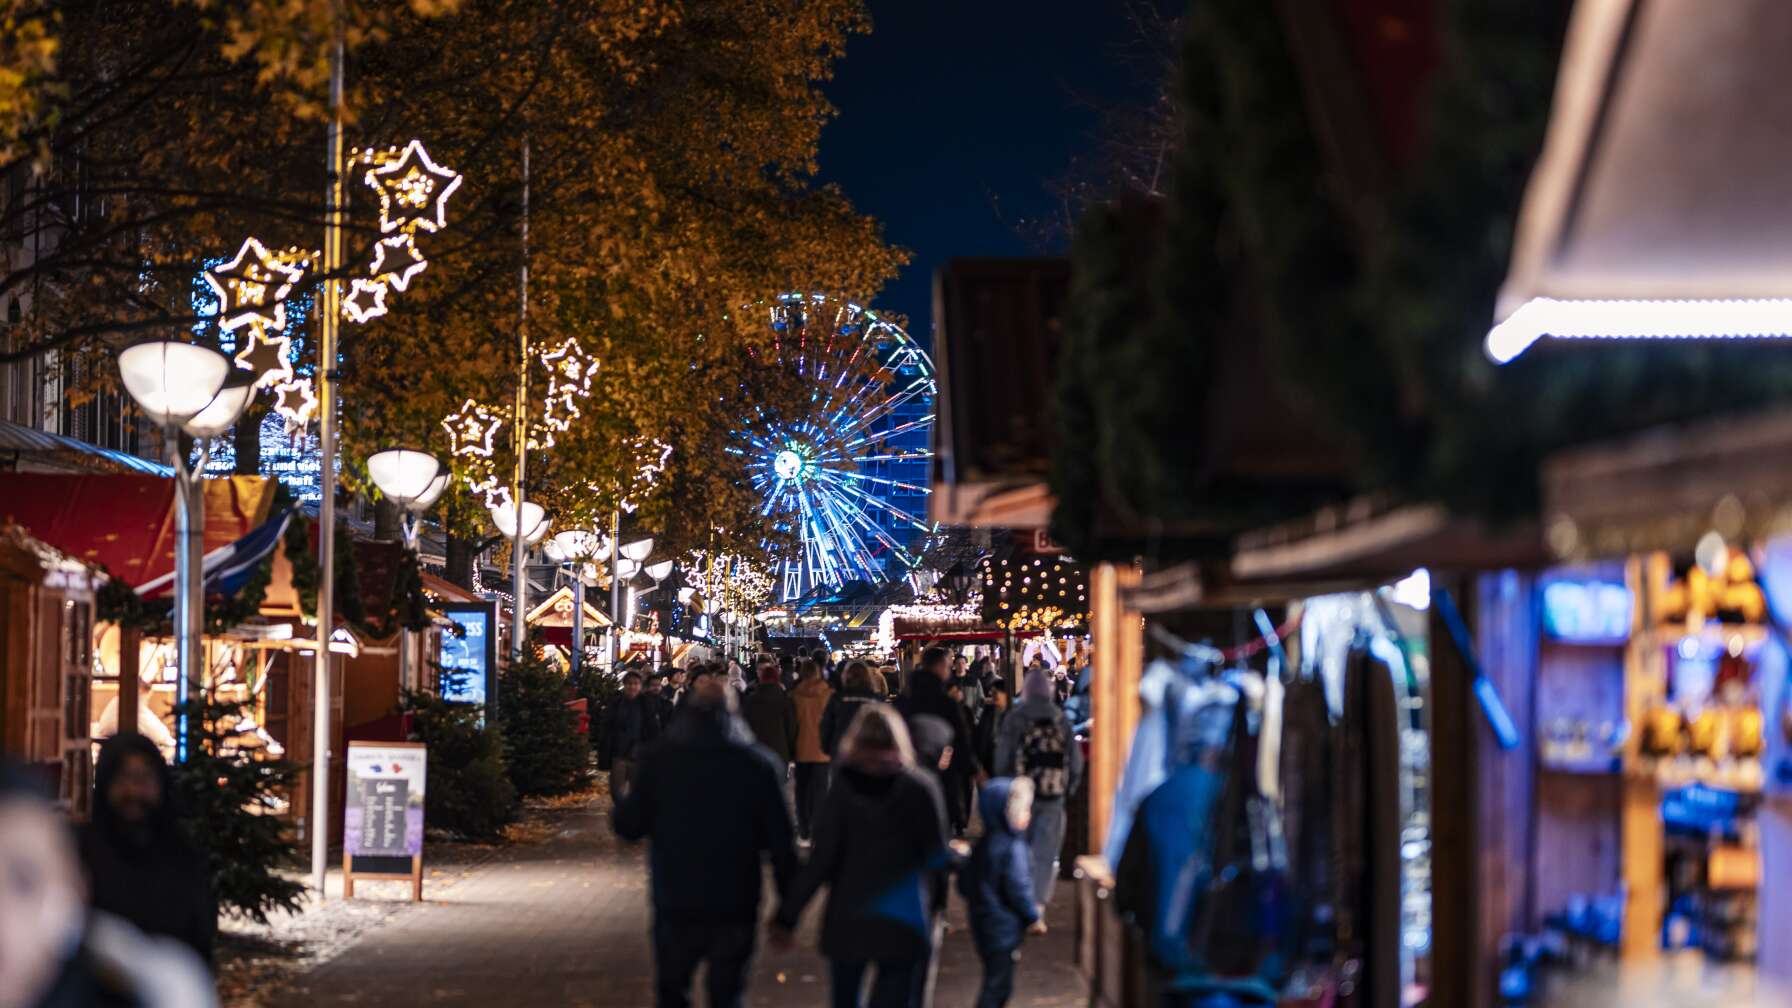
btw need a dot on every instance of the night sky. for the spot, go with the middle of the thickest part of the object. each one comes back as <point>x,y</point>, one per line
<point>955,116</point>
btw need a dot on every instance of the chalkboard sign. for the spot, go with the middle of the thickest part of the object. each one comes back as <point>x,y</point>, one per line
<point>382,825</point>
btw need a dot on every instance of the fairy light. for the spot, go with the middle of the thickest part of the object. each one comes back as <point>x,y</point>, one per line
<point>366,301</point>
<point>268,354</point>
<point>252,288</point>
<point>296,401</point>
<point>413,189</point>
<point>570,370</point>
<point>396,260</point>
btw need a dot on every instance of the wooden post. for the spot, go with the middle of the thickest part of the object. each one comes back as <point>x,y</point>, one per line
<point>130,678</point>
<point>1119,644</point>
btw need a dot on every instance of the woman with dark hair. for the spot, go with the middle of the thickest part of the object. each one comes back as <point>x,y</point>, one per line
<point>880,847</point>
<point>139,866</point>
<point>856,690</point>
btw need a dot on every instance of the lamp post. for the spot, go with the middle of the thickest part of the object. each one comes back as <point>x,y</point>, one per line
<point>576,546</point>
<point>524,526</point>
<point>621,553</point>
<point>659,572</point>
<point>185,386</point>
<point>412,480</point>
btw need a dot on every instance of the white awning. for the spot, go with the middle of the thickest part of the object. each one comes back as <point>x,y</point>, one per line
<point>1662,204</point>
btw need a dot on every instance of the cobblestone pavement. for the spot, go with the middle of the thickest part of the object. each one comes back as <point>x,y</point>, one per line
<point>565,922</point>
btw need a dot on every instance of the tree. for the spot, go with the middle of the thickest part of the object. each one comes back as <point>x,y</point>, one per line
<point>542,747</point>
<point>671,181</point>
<point>469,786</point>
<point>231,794</point>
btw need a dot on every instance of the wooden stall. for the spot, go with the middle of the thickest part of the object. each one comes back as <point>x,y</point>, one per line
<point>46,655</point>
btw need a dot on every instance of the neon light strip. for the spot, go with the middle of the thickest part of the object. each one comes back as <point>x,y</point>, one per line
<point>1765,318</point>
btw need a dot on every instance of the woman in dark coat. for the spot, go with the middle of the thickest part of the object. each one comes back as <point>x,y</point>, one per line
<point>881,846</point>
<point>139,866</point>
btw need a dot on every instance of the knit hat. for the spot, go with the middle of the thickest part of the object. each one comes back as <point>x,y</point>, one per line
<point>1036,686</point>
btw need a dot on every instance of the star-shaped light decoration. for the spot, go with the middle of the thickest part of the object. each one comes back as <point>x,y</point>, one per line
<point>413,190</point>
<point>268,354</point>
<point>253,287</point>
<point>365,302</point>
<point>396,260</point>
<point>570,370</point>
<point>471,429</point>
<point>296,401</point>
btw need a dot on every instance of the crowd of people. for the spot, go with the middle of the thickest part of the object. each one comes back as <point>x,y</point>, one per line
<point>880,776</point>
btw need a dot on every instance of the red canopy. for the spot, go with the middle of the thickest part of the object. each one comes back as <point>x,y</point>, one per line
<point>125,523</point>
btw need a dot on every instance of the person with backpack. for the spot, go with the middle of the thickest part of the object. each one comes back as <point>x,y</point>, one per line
<point>1034,740</point>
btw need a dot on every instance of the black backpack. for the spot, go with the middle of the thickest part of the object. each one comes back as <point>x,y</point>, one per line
<point>1042,757</point>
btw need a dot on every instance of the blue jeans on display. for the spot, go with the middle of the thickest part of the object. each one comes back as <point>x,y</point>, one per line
<point>898,983</point>
<point>998,977</point>
<point>678,946</point>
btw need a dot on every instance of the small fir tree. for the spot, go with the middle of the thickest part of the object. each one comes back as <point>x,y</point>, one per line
<point>542,745</point>
<point>232,792</point>
<point>469,787</point>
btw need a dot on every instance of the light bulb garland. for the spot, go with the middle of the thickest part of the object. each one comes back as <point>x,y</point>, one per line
<point>253,287</point>
<point>570,370</point>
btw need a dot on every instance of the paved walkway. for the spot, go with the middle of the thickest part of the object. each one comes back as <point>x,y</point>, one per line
<point>565,922</point>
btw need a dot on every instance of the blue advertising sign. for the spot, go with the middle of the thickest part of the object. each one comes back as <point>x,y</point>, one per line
<point>469,659</point>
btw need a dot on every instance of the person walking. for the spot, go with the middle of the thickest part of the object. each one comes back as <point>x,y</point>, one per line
<point>771,715</point>
<point>139,866</point>
<point>857,688</point>
<point>1035,741</point>
<point>983,733</point>
<point>971,685</point>
<point>811,698</point>
<point>997,885</point>
<point>700,789</point>
<point>632,721</point>
<point>927,695</point>
<point>881,848</point>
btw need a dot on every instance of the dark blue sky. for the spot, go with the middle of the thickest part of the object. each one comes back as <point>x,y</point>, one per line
<point>955,116</point>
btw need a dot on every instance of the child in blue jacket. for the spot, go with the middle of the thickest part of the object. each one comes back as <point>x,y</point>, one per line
<point>997,884</point>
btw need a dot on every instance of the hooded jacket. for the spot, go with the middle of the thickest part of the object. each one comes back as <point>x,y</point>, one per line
<point>702,789</point>
<point>811,698</point>
<point>1036,704</point>
<point>880,846</point>
<point>997,881</point>
<point>148,873</point>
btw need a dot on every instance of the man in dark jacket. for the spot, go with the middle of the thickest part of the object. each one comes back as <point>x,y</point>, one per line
<point>927,695</point>
<point>700,789</point>
<point>771,715</point>
<point>631,722</point>
<point>139,866</point>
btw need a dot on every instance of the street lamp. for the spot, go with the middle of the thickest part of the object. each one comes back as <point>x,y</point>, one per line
<point>959,579</point>
<point>638,550</point>
<point>413,480</point>
<point>523,527</point>
<point>176,384</point>
<point>576,546</point>
<point>660,571</point>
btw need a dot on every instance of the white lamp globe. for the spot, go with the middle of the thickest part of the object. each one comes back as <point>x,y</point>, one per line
<point>222,412</point>
<point>505,517</point>
<point>685,595</point>
<point>171,381</point>
<point>404,475</point>
<point>638,550</point>
<point>433,492</point>
<point>574,544</point>
<point>660,571</point>
<point>626,568</point>
<point>540,530</point>
<point>552,551</point>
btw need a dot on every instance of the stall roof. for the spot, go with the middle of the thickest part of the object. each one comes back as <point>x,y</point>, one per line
<point>59,451</point>
<point>1663,179</point>
<point>125,523</point>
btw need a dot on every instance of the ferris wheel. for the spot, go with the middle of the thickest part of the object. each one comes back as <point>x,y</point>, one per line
<point>851,481</point>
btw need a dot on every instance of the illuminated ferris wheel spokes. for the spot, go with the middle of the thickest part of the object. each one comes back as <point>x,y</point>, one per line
<point>842,482</point>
